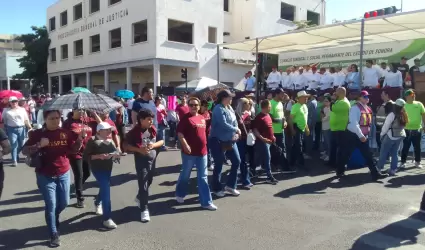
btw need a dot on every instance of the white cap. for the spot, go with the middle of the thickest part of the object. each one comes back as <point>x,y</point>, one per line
<point>302,93</point>
<point>104,125</point>
<point>13,98</point>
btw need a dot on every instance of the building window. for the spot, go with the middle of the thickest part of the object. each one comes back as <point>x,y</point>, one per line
<point>111,2</point>
<point>313,17</point>
<point>94,6</point>
<point>78,47</point>
<point>140,31</point>
<point>226,5</point>
<point>52,24</point>
<point>95,43</point>
<point>53,55</point>
<point>212,35</point>
<point>64,51</point>
<point>78,11</point>
<point>287,12</point>
<point>64,18</point>
<point>179,31</point>
<point>115,38</point>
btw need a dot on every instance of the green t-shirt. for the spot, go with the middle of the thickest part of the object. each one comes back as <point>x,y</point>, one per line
<point>414,113</point>
<point>339,115</point>
<point>300,113</point>
<point>319,110</point>
<point>276,112</point>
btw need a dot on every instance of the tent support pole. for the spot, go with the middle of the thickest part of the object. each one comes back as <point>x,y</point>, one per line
<point>361,51</point>
<point>218,63</point>
<point>258,79</point>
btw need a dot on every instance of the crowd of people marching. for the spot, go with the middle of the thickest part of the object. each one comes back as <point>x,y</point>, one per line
<point>278,134</point>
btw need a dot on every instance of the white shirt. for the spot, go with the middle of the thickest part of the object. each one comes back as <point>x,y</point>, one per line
<point>339,79</point>
<point>422,69</point>
<point>130,103</point>
<point>393,79</point>
<point>383,72</point>
<point>31,104</point>
<point>163,102</point>
<point>371,77</point>
<point>387,125</point>
<point>326,81</point>
<point>285,80</point>
<point>326,119</point>
<point>273,80</point>
<point>15,117</point>
<point>313,80</point>
<point>300,81</point>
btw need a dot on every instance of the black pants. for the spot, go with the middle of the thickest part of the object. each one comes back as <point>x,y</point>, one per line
<point>130,120</point>
<point>378,140</point>
<point>423,202</point>
<point>279,157</point>
<point>412,137</point>
<point>145,166</point>
<point>317,135</point>
<point>351,142</point>
<point>121,133</point>
<point>81,172</point>
<point>337,146</point>
<point>297,153</point>
<point>1,178</point>
<point>251,157</point>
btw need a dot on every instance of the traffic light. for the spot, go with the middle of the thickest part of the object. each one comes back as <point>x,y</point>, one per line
<point>381,12</point>
<point>184,73</point>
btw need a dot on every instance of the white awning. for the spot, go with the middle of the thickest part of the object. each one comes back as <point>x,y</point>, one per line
<point>390,28</point>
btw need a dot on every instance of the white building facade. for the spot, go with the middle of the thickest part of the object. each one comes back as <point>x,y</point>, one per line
<point>128,44</point>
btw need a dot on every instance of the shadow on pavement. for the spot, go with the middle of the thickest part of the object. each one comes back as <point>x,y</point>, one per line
<point>399,234</point>
<point>19,211</point>
<point>407,180</point>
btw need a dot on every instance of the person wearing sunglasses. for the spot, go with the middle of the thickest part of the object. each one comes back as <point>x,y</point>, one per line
<point>356,136</point>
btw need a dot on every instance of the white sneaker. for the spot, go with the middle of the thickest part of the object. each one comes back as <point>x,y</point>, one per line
<point>170,139</point>
<point>220,194</point>
<point>418,165</point>
<point>211,207</point>
<point>99,210</point>
<point>180,200</point>
<point>326,158</point>
<point>145,216</point>
<point>211,168</point>
<point>110,224</point>
<point>323,157</point>
<point>232,191</point>
<point>137,202</point>
<point>403,165</point>
<point>323,152</point>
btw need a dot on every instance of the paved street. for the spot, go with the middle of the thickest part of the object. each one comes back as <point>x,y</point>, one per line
<point>312,211</point>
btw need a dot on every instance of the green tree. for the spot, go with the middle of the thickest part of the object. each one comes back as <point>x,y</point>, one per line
<point>303,24</point>
<point>34,63</point>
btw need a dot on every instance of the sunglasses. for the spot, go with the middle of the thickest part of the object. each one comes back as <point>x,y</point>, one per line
<point>193,105</point>
<point>366,97</point>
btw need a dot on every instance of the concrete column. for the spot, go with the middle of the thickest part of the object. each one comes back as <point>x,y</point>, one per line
<point>106,80</point>
<point>60,84</point>
<point>8,83</point>
<point>129,78</point>
<point>49,84</point>
<point>156,77</point>
<point>88,80</point>
<point>72,81</point>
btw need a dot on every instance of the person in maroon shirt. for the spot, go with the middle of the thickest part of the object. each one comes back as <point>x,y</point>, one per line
<point>141,140</point>
<point>53,144</point>
<point>263,131</point>
<point>191,131</point>
<point>76,122</point>
<point>207,116</point>
<point>182,108</point>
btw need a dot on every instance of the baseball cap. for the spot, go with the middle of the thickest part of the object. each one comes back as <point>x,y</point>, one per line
<point>400,102</point>
<point>364,93</point>
<point>13,99</point>
<point>279,91</point>
<point>104,125</point>
<point>408,92</point>
<point>224,94</point>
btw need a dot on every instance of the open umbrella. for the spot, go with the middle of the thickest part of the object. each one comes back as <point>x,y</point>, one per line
<point>88,101</point>
<point>210,92</point>
<point>124,93</point>
<point>80,90</point>
<point>10,93</point>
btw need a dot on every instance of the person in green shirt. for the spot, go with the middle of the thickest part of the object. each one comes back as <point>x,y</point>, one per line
<point>298,125</point>
<point>416,115</point>
<point>338,124</point>
<point>278,156</point>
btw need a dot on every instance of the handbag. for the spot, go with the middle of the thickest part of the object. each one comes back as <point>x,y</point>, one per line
<point>34,160</point>
<point>250,137</point>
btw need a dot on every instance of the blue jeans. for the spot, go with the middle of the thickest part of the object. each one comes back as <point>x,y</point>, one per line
<point>200,162</point>
<point>389,148</point>
<point>327,141</point>
<point>218,155</point>
<point>55,192</point>
<point>263,151</point>
<point>16,138</point>
<point>33,118</point>
<point>161,134</point>
<point>242,148</point>
<point>103,178</point>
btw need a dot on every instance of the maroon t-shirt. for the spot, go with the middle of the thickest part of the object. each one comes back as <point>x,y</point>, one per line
<point>263,123</point>
<point>55,160</point>
<point>181,110</point>
<point>75,127</point>
<point>194,130</point>
<point>207,117</point>
<point>135,136</point>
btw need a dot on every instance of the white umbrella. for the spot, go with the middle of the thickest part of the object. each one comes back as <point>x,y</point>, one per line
<point>204,82</point>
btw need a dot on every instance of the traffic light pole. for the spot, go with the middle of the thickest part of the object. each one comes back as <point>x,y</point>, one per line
<point>258,79</point>
<point>361,50</point>
<point>186,84</point>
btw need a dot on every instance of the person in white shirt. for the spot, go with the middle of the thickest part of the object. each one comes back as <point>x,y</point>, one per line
<point>326,80</point>
<point>15,120</point>
<point>31,104</point>
<point>371,75</point>
<point>130,102</point>
<point>286,79</point>
<point>393,78</point>
<point>384,69</point>
<point>300,80</point>
<point>313,78</point>
<point>274,78</point>
<point>339,77</point>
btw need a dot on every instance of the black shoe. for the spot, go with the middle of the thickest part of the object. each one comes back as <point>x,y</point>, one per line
<point>80,203</point>
<point>272,180</point>
<point>341,175</point>
<point>55,240</point>
<point>379,176</point>
<point>253,173</point>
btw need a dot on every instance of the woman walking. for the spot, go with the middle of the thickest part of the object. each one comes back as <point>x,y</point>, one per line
<point>223,136</point>
<point>392,134</point>
<point>53,145</point>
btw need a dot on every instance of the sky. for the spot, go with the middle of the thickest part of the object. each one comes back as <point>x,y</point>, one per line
<point>17,16</point>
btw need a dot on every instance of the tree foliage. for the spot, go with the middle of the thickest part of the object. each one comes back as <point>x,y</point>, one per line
<point>34,63</point>
<point>303,24</point>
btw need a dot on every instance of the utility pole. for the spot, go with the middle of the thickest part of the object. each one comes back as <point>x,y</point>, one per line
<point>401,6</point>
